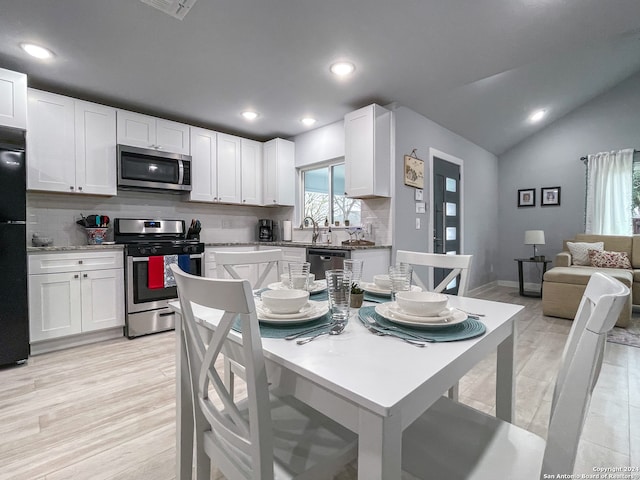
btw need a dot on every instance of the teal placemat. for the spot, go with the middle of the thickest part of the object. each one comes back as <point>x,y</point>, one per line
<point>470,328</point>
<point>269,330</point>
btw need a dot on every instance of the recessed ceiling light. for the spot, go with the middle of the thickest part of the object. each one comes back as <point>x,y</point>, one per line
<point>537,116</point>
<point>342,69</point>
<point>249,115</point>
<point>37,51</point>
<point>308,121</point>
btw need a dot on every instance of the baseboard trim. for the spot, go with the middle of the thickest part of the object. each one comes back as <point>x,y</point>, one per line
<point>62,343</point>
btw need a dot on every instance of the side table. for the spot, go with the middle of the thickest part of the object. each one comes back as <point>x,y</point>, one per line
<point>520,261</point>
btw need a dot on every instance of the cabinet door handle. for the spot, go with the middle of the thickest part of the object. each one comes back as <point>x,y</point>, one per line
<point>85,275</point>
<point>80,262</point>
<point>76,276</point>
<point>79,188</point>
<point>70,187</point>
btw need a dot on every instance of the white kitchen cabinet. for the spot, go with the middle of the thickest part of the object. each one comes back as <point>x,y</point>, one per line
<point>71,145</point>
<point>204,165</point>
<point>251,162</point>
<point>229,168</point>
<point>95,133</point>
<point>375,261</point>
<point>75,293</point>
<point>146,131</point>
<point>367,152</point>
<point>279,172</point>
<point>13,99</point>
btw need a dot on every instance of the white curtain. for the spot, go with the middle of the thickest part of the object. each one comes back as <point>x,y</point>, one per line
<point>609,193</point>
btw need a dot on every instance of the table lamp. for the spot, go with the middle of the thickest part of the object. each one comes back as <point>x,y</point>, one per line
<point>534,237</point>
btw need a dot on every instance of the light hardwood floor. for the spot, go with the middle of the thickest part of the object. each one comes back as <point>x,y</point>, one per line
<point>106,411</point>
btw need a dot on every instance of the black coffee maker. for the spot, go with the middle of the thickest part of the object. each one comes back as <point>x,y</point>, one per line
<point>266,230</point>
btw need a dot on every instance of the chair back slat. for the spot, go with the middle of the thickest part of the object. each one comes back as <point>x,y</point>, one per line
<point>228,261</point>
<point>582,357</point>
<point>458,264</point>
<point>243,443</point>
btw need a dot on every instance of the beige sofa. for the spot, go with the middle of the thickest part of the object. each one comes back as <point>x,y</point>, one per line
<point>564,284</point>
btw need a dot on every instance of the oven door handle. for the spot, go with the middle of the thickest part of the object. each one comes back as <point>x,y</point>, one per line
<point>146,259</point>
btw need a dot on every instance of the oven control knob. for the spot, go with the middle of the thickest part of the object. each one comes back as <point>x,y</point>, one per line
<point>194,249</point>
<point>143,251</point>
<point>153,250</point>
<point>185,249</point>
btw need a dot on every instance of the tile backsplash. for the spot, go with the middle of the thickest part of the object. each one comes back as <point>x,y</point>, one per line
<point>55,215</point>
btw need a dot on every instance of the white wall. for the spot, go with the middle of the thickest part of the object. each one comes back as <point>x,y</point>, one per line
<point>413,131</point>
<point>54,215</point>
<point>552,158</point>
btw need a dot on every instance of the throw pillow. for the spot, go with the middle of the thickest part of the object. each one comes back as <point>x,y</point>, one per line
<point>604,259</point>
<point>580,251</point>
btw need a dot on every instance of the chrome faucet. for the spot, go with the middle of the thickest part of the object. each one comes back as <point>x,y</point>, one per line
<point>316,230</point>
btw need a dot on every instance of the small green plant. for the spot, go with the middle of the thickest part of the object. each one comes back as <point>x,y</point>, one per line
<point>355,289</point>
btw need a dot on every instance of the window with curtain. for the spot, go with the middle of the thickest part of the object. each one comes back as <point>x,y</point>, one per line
<point>611,200</point>
<point>324,197</point>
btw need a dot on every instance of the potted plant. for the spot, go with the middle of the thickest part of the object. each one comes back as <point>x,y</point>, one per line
<point>357,296</point>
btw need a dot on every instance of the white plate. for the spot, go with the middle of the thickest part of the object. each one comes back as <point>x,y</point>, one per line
<point>310,311</point>
<point>318,286</point>
<point>373,288</point>
<point>397,310</point>
<point>382,309</point>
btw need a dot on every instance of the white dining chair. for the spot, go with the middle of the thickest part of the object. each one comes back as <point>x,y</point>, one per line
<point>458,264</point>
<point>266,259</point>
<point>453,441</point>
<point>264,436</point>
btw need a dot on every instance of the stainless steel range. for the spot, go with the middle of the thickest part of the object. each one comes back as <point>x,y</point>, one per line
<point>147,301</point>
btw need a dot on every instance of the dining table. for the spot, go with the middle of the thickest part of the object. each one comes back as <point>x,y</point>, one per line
<point>374,385</point>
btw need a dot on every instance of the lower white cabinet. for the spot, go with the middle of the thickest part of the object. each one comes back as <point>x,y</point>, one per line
<point>375,261</point>
<point>74,293</point>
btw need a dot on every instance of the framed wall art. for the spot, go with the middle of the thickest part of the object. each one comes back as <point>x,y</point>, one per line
<point>527,197</point>
<point>549,196</point>
<point>413,171</point>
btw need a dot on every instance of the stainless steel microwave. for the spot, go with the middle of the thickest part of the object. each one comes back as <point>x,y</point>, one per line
<point>143,168</point>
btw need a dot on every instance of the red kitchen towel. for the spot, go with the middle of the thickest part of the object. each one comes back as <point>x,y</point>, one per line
<point>155,272</point>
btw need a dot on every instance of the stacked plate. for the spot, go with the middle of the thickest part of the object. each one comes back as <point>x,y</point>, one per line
<point>310,311</point>
<point>392,312</point>
<point>315,287</point>
<point>375,289</point>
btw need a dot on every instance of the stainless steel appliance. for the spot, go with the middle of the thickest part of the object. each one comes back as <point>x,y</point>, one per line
<point>142,168</point>
<point>147,308</point>
<point>14,317</point>
<point>266,230</point>
<point>322,259</point>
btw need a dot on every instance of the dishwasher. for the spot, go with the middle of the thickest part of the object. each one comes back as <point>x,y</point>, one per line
<point>322,259</point>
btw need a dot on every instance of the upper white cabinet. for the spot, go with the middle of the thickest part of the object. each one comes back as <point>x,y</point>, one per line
<point>71,145</point>
<point>150,132</point>
<point>367,152</point>
<point>13,99</point>
<point>251,172</point>
<point>229,169</point>
<point>279,172</point>
<point>204,165</point>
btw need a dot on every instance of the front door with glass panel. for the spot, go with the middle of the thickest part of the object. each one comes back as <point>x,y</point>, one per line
<point>446,216</point>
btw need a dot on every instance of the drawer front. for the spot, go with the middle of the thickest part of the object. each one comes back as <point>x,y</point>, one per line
<point>74,261</point>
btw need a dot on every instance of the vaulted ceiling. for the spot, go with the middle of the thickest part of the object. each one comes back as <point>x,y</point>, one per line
<point>479,68</point>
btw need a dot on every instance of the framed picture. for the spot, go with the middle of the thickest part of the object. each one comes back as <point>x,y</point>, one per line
<point>527,197</point>
<point>549,196</point>
<point>413,172</point>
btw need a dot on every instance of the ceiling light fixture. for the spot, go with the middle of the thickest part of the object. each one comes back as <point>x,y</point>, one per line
<point>537,116</point>
<point>308,121</point>
<point>249,115</point>
<point>342,69</point>
<point>36,51</point>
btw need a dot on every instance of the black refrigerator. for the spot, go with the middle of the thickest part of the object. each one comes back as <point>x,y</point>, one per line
<point>14,315</point>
